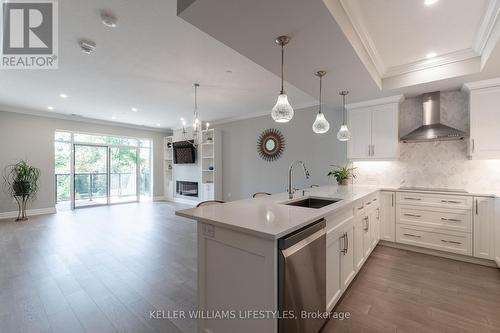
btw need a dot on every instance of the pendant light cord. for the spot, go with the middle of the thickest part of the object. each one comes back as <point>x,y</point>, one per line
<point>282,67</point>
<point>320,89</point>
<point>343,111</point>
<point>195,101</point>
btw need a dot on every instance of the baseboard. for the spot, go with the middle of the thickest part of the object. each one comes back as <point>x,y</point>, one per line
<point>442,254</point>
<point>30,212</point>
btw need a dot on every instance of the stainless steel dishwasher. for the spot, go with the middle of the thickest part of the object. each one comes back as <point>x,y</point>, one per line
<point>302,278</point>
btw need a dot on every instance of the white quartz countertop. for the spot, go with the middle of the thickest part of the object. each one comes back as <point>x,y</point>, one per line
<point>268,217</point>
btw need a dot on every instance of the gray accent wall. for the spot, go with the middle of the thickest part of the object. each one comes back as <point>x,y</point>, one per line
<point>245,172</point>
<point>32,138</point>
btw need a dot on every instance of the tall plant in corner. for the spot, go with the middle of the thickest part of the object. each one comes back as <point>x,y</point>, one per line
<point>21,182</point>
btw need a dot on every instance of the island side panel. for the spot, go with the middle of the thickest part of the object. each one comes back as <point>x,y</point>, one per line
<point>236,272</point>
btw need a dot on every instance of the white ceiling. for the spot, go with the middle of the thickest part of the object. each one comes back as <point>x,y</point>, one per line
<point>323,37</point>
<point>148,62</point>
<point>403,32</point>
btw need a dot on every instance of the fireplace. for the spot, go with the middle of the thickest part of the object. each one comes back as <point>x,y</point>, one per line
<point>189,189</point>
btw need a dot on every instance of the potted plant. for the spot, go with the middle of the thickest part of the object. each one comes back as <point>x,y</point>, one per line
<point>21,182</point>
<point>342,173</point>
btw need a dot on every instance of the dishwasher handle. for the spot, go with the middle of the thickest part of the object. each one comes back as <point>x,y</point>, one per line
<point>301,234</point>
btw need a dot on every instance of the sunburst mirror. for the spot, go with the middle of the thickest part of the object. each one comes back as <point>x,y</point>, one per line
<point>271,144</point>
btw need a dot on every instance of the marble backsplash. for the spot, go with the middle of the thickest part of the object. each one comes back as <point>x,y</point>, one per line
<point>433,164</point>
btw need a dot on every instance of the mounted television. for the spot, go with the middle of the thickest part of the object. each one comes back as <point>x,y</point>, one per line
<point>184,153</point>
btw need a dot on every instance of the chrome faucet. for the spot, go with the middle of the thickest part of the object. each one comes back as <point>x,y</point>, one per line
<point>290,186</point>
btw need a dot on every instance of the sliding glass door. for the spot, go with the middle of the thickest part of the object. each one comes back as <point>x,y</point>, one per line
<point>90,179</point>
<point>123,174</point>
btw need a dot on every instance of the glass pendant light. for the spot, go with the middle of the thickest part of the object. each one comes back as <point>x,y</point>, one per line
<point>282,111</point>
<point>344,134</point>
<point>320,125</point>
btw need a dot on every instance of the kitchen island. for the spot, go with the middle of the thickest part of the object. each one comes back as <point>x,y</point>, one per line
<point>238,252</point>
<point>240,246</point>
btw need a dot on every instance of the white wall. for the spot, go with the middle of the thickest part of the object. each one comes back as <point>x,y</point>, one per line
<point>32,138</point>
<point>245,172</point>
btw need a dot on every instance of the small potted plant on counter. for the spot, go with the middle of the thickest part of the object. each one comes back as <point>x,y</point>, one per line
<point>21,182</point>
<point>342,173</point>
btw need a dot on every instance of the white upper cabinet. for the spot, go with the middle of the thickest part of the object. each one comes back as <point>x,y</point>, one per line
<point>484,108</point>
<point>374,129</point>
<point>360,126</point>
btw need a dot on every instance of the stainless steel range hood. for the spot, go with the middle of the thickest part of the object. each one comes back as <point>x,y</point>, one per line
<point>432,129</point>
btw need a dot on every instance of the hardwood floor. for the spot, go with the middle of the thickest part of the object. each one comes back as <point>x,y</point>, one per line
<point>402,291</point>
<point>104,269</point>
<point>98,270</point>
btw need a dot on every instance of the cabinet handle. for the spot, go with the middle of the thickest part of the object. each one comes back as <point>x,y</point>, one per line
<point>367,224</point>
<point>373,150</point>
<point>411,198</point>
<point>450,201</point>
<point>451,242</point>
<point>473,146</point>
<point>412,215</point>
<point>392,198</point>
<point>477,207</point>
<point>450,220</point>
<point>374,199</point>
<point>369,150</point>
<point>347,243</point>
<point>412,235</point>
<point>361,207</point>
<point>368,203</point>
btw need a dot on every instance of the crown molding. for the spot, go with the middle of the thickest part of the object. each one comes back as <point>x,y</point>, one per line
<point>78,118</point>
<point>353,13</point>
<point>374,102</point>
<point>441,60</point>
<point>486,26</point>
<point>495,82</point>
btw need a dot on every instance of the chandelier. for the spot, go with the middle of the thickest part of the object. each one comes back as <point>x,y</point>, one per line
<point>197,124</point>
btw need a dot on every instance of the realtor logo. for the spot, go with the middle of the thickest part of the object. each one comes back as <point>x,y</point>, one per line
<point>29,34</point>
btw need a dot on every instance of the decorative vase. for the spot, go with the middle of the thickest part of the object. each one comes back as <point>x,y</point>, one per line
<point>344,181</point>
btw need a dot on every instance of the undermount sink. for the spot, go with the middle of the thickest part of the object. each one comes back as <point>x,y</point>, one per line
<point>313,202</point>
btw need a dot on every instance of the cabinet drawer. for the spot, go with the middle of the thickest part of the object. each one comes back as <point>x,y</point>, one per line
<point>371,202</point>
<point>436,218</point>
<point>434,200</point>
<point>456,242</point>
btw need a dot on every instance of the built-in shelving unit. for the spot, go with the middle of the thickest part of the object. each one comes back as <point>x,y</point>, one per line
<point>207,171</point>
<point>168,167</point>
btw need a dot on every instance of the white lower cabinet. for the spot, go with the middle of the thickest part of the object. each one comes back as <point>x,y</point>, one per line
<point>359,254</point>
<point>484,228</point>
<point>340,269</point>
<point>367,236</point>
<point>388,216</point>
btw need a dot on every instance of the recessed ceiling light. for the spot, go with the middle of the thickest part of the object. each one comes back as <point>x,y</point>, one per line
<point>431,55</point>
<point>63,95</point>
<point>114,118</point>
<point>158,125</point>
<point>134,109</point>
<point>430,2</point>
<point>50,107</point>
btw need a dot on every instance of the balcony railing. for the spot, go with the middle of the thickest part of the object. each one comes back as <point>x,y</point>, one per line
<point>89,186</point>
